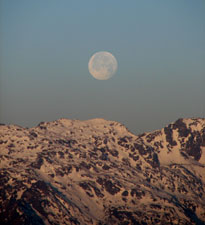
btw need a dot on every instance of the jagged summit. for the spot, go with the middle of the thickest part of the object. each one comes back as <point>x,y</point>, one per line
<point>97,172</point>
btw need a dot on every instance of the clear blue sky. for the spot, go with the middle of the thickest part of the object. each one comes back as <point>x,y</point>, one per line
<point>45,46</point>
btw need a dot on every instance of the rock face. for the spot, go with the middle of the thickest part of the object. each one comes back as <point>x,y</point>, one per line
<point>97,172</point>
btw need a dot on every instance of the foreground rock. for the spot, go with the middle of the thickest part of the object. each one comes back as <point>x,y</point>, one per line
<point>97,172</point>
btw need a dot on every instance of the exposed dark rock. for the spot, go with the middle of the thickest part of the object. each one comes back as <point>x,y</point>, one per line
<point>155,162</point>
<point>135,193</point>
<point>11,146</point>
<point>140,148</point>
<point>67,143</point>
<point>85,186</point>
<point>110,187</point>
<point>38,163</point>
<point>182,128</point>
<point>74,220</point>
<point>125,193</point>
<point>134,157</point>
<point>114,152</point>
<point>106,167</point>
<point>150,137</point>
<point>33,134</point>
<point>85,165</point>
<point>169,138</point>
<point>193,147</point>
<point>97,191</point>
<point>104,156</point>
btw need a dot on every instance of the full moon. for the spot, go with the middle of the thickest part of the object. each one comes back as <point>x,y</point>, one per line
<point>102,65</point>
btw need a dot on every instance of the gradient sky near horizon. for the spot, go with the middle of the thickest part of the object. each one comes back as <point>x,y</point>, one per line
<point>45,46</point>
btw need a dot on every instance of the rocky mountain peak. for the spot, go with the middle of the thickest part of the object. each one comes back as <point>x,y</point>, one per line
<point>97,172</point>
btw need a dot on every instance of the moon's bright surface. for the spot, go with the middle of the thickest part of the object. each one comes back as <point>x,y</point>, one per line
<point>102,65</point>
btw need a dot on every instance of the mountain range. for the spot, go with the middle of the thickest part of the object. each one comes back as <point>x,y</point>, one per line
<point>98,172</point>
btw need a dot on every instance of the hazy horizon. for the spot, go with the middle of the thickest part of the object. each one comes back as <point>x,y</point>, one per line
<point>45,47</point>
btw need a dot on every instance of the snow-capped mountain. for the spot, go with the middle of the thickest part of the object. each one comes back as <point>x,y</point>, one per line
<point>97,172</point>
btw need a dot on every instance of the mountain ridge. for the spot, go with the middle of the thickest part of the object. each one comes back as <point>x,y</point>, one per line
<point>98,172</point>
